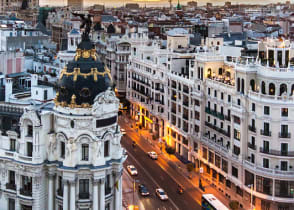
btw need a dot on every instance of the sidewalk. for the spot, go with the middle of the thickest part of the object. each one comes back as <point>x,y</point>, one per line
<point>219,191</point>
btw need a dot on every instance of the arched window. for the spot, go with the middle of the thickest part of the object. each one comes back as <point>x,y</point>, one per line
<point>209,73</point>
<point>252,85</point>
<point>242,86</point>
<point>271,89</point>
<point>238,85</point>
<point>220,71</point>
<point>263,87</point>
<point>85,152</point>
<point>283,89</point>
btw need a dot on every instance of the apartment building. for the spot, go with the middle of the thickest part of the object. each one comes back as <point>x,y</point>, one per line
<point>231,116</point>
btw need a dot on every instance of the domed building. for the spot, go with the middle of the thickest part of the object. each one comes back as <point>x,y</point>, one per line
<point>67,154</point>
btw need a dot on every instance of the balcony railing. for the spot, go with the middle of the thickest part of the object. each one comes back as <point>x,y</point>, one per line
<point>228,118</point>
<point>277,152</point>
<point>284,135</point>
<point>251,146</point>
<point>10,186</point>
<point>265,133</point>
<point>252,128</point>
<point>25,192</point>
<point>220,116</point>
<point>84,195</point>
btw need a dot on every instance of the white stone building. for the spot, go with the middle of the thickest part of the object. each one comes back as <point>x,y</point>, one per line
<point>230,116</point>
<point>67,154</point>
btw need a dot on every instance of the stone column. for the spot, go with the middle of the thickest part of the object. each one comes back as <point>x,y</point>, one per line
<point>51,192</point>
<point>117,190</point>
<point>95,195</point>
<point>72,195</point>
<point>65,195</point>
<point>102,193</point>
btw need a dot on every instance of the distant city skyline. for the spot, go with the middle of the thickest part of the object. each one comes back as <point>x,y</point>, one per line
<point>113,3</point>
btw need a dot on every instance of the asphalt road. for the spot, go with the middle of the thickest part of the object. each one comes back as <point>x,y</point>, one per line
<point>156,173</point>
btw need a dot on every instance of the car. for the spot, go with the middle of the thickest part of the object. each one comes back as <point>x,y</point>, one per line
<point>143,190</point>
<point>132,170</point>
<point>161,194</point>
<point>123,131</point>
<point>153,155</point>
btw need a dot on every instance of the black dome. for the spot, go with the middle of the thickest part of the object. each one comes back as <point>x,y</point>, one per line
<point>83,78</point>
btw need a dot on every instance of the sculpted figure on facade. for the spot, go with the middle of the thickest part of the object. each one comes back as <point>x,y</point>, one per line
<point>52,145</point>
<point>71,147</point>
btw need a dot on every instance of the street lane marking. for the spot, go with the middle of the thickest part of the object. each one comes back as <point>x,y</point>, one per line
<point>147,173</point>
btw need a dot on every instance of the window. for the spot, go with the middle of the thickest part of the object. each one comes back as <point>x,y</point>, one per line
<point>236,150</point>
<point>208,91</point>
<point>265,163</point>
<point>229,98</point>
<point>84,188</point>
<point>252,158</point>
<point>222,96</point>
<point>284,112</point>
<point>265,146</point>
<point>215,94</point>
<point>11,204</point>
<point>107,185</point>
<point>29,149</point>
<point>12,145</point>
<point>62,149</point>
<point>225,165</point>
<point>11,177</point>
<point>106,148</point>
<point>237,134</point>
<point>234,172</point>
<point>266,110</point>
<point>204,153</point>
<point>253,107</point>
<point>239,102</point>
<point>30,130</point>
<point>85,152</point>
<point>217,161</point>
<point>284,149</point>
<point>284,165</point>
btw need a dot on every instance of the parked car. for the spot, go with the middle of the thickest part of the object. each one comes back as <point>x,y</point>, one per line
<point>153,155</point>
<point>132,170</point>
<point>143,190</point>
<point>161,194</point>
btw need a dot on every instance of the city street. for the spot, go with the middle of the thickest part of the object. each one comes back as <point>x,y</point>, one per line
<point>158,173</point>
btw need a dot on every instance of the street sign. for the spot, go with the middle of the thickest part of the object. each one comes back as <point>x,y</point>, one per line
<point>201,170</point>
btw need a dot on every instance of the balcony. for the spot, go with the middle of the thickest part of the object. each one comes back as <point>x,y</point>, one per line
<point>228,118</point>
<point>26,192</point>
<point>10,186</point>
<point>277,152</point>
<point>207,110</point>
<point>284,135</point>
<point>252,128</point>
<point>220,116</point>
<point>60,192</point>
<point>265,133</point>
<point>84,195</point>
<point>218,129</point>
<point>251,146</point>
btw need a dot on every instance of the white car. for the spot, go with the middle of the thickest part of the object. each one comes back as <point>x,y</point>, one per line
<point>132,170</point>
<point>123,131</point>
<point>152,155</point>
<point>161,194</point>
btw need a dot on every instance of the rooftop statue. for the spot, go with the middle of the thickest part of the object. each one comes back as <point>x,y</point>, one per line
<point>86,22</point>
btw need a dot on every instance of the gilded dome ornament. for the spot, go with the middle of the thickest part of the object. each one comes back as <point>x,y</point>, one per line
<point>85,76</point>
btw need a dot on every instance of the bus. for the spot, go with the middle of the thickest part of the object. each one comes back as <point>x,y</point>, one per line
<point>210,202</point>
